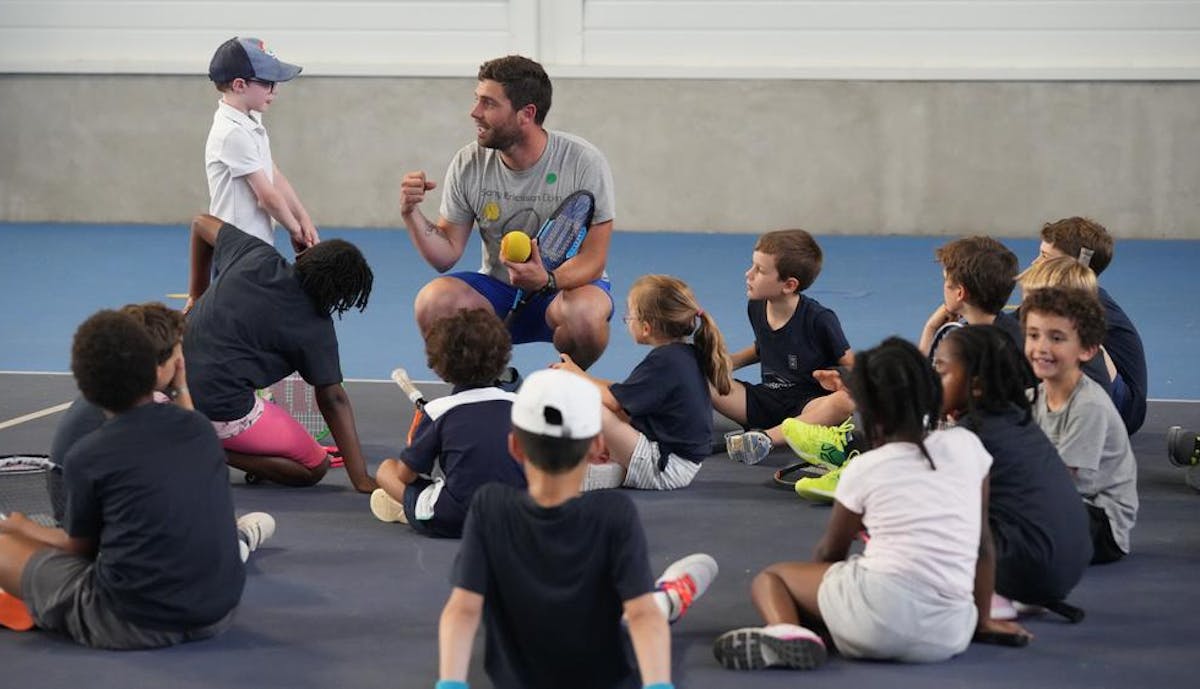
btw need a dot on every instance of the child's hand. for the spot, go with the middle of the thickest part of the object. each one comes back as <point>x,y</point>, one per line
<point>566,363</point>
<point>829,379</point>
<point>187,305</point>
<point>940,316</point>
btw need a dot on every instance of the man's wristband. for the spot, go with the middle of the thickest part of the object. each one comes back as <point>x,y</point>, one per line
<point>450,684</point>
<point>551,283</point>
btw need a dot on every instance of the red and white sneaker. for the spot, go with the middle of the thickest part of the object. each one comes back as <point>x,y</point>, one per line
<point>683,582</point>
<point>776,645</point>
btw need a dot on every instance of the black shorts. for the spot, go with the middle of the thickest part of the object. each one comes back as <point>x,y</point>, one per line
<point>768,407</point>
<point>1104,546</point>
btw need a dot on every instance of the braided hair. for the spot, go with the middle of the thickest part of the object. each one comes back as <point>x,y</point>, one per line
<point>335,276</point>
<point>898,396</point>
<point>998,373</point>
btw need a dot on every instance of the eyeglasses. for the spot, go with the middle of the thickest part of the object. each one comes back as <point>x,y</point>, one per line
<point>268,85</point>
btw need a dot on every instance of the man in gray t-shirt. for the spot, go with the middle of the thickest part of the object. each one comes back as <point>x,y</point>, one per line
<point>513,177</point>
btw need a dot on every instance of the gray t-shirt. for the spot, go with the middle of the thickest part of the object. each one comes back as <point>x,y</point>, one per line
<point>480,188</point>
<point>1091,438</point>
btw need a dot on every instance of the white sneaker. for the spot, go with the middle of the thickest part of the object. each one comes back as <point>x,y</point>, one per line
<point>777,645</point>
<point>683,582</point>
<point>253,530</point>
<point>385,508</point>
<point>603,476</point>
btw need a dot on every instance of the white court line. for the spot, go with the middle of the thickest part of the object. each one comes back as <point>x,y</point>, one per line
<point>34,415</point>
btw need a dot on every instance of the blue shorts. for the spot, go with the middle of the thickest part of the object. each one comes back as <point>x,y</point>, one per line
<point>530,325</point>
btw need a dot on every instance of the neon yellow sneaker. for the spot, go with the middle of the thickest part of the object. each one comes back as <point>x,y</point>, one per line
<point>821,445</point>
<point>822,488</point>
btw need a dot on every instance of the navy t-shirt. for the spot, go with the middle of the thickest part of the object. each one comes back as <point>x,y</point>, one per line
<point>253,326</point>
<point>554,580</point>
<point>667,399</point>
<point>1039,522</point>
<point>1124,345</point>
<point>467,432</point>
<point>151,488</point>
<point>811,339</point>
<point>82,417</point>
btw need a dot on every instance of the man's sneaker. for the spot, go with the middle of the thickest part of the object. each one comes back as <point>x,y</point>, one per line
<point>1183,447</point>
<point>821,445</point>
<point>822,488</point>
<point>603,476</point>
<point>747,447</point>
<point>253,530</point>
<point>685,581</point>
<point>777,645</point>
<point>386,508</point>
<point>13,613</point>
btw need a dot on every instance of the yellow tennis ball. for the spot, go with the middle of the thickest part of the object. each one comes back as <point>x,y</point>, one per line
<point>515,246</point>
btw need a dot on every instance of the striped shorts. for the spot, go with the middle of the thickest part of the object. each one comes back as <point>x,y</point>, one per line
<point>643,470</point>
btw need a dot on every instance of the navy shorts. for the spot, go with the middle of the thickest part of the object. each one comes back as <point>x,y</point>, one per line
<point>441,526</point>
<point>530,325</point>
<point>768,407</point>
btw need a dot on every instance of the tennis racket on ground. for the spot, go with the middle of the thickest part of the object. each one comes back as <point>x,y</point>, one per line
<point>27,485</point>
<point>297,398</point>
<point>559,239</point>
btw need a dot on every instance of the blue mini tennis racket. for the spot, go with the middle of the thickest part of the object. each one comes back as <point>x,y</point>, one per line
<point>559,238</point>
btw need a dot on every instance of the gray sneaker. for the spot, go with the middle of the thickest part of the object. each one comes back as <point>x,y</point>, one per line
<point>747,447</point>
<point>776,645</point>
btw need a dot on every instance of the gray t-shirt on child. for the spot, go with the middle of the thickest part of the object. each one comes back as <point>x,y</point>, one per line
<point>1090,436</point>
<point>480,188</point>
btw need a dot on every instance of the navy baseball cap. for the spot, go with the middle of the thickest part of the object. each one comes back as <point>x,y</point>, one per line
<point>248,58</point>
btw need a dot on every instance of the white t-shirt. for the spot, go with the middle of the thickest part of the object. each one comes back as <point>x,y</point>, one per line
<point>924,523</point>
<point>237,146</point>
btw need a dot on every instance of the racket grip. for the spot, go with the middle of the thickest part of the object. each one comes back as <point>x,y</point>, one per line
<point>400,376</point>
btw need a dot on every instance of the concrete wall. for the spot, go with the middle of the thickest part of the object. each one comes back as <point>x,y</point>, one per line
<point>730,156</point>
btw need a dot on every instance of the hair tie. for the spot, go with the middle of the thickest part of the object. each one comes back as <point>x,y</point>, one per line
<point>1085,257</point>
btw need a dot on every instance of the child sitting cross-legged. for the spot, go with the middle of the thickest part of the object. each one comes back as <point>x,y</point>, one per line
<point>553,572</point>
<point>465,434</point>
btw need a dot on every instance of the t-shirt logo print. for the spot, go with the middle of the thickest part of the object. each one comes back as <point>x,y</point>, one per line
<point>793,362</point>
<point>551,177</point>
<point>491,211</point>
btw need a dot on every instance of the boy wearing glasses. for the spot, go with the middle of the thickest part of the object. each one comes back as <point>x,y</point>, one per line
<point>246,188</point>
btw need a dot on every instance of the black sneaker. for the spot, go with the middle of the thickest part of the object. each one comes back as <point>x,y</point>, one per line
<point>1183,447</point>
<point>510,380</point>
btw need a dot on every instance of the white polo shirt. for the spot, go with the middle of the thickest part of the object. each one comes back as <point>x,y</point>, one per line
<point>237,146</point>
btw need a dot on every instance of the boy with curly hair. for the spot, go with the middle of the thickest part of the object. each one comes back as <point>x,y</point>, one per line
<point>1063,329</point>
<point>465,433</point>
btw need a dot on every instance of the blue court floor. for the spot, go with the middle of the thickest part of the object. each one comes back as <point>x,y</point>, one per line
<point>54,276</point>
<point>338,599</point>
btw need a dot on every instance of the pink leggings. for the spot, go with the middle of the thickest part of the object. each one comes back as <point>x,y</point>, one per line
<point>277,434</point>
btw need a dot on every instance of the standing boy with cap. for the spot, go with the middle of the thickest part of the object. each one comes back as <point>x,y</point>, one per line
<point>559,569</point>
<point>246,188</point>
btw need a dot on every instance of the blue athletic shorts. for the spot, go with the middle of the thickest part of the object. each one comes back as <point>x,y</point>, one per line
<point>530,325</point>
